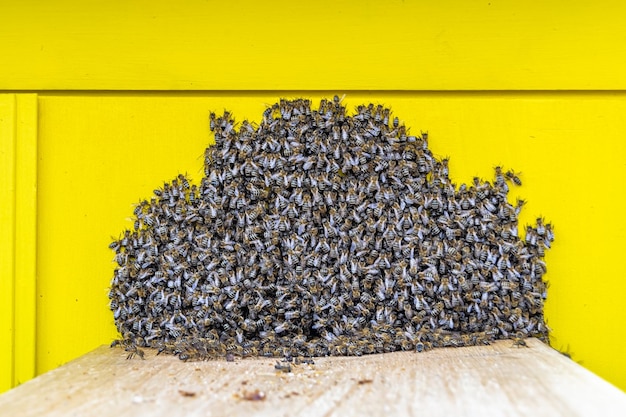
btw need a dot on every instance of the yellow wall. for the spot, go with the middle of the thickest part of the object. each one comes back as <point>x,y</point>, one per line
<point>321,44</point>
<point>99,152</point>
<point>18,222</point>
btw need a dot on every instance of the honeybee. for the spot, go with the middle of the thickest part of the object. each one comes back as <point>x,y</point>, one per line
<point>514,177</point>
<point>499,176</point>
<point>282,366</point>
<point>183,181</point>
<point>134,351</point>
<point>540,229</point>
<point>549,232</point>
<point>437,308</point>
<point>519,342</point>
<point>422,346</point>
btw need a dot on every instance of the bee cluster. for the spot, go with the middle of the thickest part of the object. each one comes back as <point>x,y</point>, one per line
<point>322,233</point>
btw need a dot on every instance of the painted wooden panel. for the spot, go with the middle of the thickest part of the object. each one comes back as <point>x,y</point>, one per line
<point>326,44</point>
<point>7,237</point>
<point>18,214</point>
<point>100,153</point>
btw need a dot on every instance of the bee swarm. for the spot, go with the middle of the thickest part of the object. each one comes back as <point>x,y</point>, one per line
<point>320,233</point>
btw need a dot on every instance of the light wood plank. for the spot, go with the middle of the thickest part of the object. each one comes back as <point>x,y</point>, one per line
<point>321,45</point>
<point>498,380</point>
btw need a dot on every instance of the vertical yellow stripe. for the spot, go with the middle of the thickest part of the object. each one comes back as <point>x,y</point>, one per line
<point>26,240</point>
<point>7,238</point>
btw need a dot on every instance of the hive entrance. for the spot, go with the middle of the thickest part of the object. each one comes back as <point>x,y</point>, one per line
<point>322,233</point>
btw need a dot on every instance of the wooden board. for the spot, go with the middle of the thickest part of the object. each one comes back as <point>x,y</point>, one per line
<point>320,45</point>
<point>497,380</point>
<point>18,237</point>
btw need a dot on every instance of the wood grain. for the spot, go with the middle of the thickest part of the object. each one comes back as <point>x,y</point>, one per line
<point>322,45</point>
<point>499,380</point>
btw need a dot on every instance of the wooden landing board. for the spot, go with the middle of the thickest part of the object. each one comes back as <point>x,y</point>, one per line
<point>498,380</point>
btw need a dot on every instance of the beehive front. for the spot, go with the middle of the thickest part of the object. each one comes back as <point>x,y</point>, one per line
<point>439,70</point>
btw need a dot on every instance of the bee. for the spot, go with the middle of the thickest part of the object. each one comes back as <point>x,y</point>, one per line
<point>421,347</point>
<point>513,177</point>
<point>549,232</point>
<point>282,327</point>
<point>282,366</point>
<point>291,315</point>
<point>133,351</point>
<point>212,121</point>
<point>499,176</point>
<point>437,309</point>
<point>290,211</point>
<point>519,342</point>
<point>540,229</point>
<point>512,316</point>
<point>304,361</point>
<point>183,181</point>
<point>253,191</point>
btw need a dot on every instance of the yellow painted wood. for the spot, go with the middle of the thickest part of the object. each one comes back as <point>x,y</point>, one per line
<point>98,156</point>
<point>25,236</point>
<point>18,211</point>
<point>481,381</point>
<point>7,237</point>
<point>325,44</point>
<point>100,153</point>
